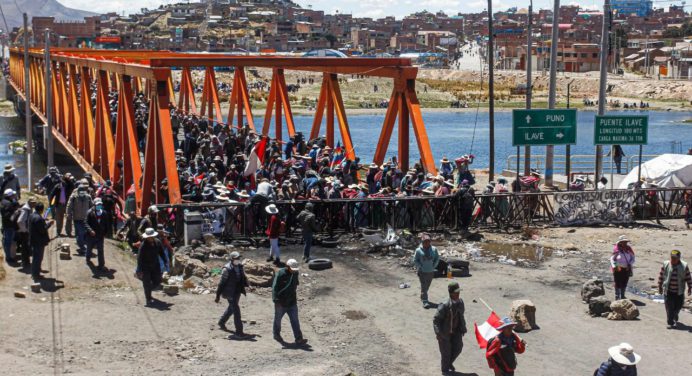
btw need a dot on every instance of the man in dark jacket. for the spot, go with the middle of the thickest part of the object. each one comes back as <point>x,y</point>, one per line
<point>308,222</point>
<point>622,362</point>
<point>450,327</point>
<point>233,283</point>
<point>8,207</point>
<point>38,239</point>
<point>148,266</point>
<point>286,302</point>
<point>9,180</point>
<point>98,225</point>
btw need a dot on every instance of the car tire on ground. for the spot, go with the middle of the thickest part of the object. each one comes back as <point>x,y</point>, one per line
<point>320,264</point>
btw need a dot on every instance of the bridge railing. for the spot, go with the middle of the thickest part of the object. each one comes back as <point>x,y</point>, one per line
<point>578,162</point>
<point>420,213</point>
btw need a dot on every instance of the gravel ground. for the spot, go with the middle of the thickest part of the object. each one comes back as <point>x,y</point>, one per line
<point>355,316</point>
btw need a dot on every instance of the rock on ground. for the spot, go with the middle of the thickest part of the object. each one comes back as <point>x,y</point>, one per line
<point>591,289</point>
<point>623,309</point>
<point>258,275</point>
<point>188,267</point>
<point>524,314</point>
<point>598,306</point>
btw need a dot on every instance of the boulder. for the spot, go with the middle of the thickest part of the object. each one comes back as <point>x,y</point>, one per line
<point>192,283</point>
<point>209,239</point>
<point>598,306</point>
<point>524,314</point>
<point>259,275</point>
<point>591,289</point>
<point>186,266</point>
<point>19,294</point>
<point>219,250</point>
<point>195,268</point>
<point>623,309</point>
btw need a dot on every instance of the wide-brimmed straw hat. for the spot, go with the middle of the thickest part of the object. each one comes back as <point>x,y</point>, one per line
<point>505,322</point>
<point>271,209</point>
<point>243,194</point>
<point>624,354</point>
<point>9,168</point>
<point>149,233</point>
<point>622,239</point>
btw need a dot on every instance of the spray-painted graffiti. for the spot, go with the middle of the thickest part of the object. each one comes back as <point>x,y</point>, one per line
<point>590,208</point>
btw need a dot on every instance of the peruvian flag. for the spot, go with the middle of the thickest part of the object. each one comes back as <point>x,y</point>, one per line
<point>487,330</point>
<point>199,178</point>
<point>256,157</point>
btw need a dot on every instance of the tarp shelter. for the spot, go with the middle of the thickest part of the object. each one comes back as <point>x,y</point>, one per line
<point>666,171</point>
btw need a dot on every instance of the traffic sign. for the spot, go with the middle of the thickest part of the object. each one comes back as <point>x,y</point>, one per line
<point>621,130</point>
<point>544,127</point>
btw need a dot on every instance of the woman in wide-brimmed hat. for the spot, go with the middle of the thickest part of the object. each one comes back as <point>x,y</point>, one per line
<point>621,264</point>
<point>623,361</point>
<point>273,230</point>
<point>501,349</point>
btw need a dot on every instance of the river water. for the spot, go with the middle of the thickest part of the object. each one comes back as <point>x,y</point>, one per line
<point>451,134</point>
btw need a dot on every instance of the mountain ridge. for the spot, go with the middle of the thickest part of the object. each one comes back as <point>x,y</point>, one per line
<point>13,10</point>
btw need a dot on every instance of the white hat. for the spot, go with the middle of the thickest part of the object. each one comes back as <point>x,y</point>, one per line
<point>293,264</point>
<point>153,209</point>
<point>624,354</point>
<point>271,209</point>
<point>243,194</point>
<point>622,238</point>
<point>9,192</point>
<point>149,233</point>
<point>9,168</point>
<point>98,201</point>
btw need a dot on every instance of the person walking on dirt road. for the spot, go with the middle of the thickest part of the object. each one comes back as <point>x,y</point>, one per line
<point>98,225</point>
<point>450,327</point>
<point>622,362</point>
<point>38,239</point>
<point>425,259</point>
<point>308,223</point>
<point>148,266</point>
<point>621,264</point>
<point>233,283</point>
<point>501,349</point>
<point>286,302</point>
<point>671,283</point>
<point>273,231</point>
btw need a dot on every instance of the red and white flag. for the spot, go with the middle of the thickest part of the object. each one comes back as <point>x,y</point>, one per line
<point>256,157</point>
<point>487,330</point>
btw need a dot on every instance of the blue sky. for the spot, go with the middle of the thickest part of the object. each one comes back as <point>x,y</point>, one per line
<point>360,8</point>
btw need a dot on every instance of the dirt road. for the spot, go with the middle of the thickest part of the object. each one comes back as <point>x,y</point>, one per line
<point>356,318</point>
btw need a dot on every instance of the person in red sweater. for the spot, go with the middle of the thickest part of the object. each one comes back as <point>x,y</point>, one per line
<point>501,349</point>
<point>273,230</point>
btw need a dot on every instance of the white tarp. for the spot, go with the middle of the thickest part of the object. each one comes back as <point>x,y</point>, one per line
<point>666,171</point>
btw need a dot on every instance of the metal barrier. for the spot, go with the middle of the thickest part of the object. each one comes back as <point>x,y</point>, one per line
<point>578,162</point>
<point>421,213</point>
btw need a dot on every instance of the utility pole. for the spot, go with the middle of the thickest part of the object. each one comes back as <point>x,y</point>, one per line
<point>49,104</point>
<point>491,94</point>
<point>529,88</point>
<point>646,61</point>
<point>603,82</point>
<point>27,103</point>
<point>550,149</point>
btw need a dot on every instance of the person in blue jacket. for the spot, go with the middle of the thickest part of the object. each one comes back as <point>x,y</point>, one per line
<point>425,259</point>
<point>622,362</point>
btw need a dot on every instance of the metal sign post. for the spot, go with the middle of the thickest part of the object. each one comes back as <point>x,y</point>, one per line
<point>27,108</point>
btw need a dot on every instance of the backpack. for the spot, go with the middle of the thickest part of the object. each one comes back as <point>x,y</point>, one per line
<point>608,373</point>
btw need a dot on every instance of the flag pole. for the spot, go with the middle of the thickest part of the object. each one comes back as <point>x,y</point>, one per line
<point>486,304</point>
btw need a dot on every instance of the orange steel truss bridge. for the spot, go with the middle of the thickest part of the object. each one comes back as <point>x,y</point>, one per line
<point>89,138</point>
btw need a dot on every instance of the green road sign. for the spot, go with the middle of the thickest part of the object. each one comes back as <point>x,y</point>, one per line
<point>544,127</point>
<point>621,130</point>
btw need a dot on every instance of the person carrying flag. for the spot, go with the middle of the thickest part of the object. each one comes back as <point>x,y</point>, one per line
<point>501,349</point>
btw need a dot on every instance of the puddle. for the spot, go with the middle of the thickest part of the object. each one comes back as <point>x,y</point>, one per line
<point>526,255</point>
